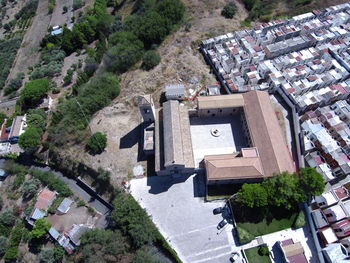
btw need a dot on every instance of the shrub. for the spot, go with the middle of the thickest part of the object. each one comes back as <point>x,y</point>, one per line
<point>263,250</point>
<point>299,220</point>
<point>150,59</point>
<point>30,188</point>
<point>3,245</point>
<point>244,236</point>
<point>30,139</point>
<point>33,92</point>
<point>97,143</point>
<point>145,256</point>
<point>133,221</point>
<point>11,253</point>
<point>53,207</point>
<point>7,218</point>
<point>229,10</point>
<point>12,168</point>
<point>40,228</point>
<point>47,178</point>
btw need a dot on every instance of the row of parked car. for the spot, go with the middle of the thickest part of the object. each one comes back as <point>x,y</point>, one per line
<point>227,216</point>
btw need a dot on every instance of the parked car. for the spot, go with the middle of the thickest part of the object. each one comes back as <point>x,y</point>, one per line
<point>218,210</point>
<point>234,257</point>
<point>222,224</point>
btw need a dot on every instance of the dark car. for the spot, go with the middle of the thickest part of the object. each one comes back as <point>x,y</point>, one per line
<point>221,224</point>
<point>218,210</point>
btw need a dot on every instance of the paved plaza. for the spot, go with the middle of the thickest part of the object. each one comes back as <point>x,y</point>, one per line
<point>184,219</point>
<point>230,139</point>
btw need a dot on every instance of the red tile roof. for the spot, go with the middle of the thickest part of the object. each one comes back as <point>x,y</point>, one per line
<point>45,199</point>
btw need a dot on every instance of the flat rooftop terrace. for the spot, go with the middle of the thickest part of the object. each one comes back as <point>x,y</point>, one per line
<point>230,137</point>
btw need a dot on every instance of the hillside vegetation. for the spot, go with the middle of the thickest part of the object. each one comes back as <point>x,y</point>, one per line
<point>265,10</point>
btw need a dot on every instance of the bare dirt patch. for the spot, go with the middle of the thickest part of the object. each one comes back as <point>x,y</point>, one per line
<point>76,215</point>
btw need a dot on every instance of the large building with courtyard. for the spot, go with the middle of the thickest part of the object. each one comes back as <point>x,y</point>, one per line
<point>234,138</point>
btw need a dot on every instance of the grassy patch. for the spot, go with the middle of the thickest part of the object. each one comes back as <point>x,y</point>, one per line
<point>262,221</point>
<point>254,256</point>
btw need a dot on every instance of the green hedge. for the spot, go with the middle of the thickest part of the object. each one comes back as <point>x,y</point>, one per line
<point>48,179</point>
<point>300,220</point>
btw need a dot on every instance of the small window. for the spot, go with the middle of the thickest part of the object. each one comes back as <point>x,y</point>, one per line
<point>329,215</point>
<point>220,110</point>
<point>208,111</point>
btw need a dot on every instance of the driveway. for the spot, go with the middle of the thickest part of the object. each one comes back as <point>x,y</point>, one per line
<point>177,208</point>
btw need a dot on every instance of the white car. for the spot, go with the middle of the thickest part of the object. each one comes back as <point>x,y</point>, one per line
<point>234,257</point>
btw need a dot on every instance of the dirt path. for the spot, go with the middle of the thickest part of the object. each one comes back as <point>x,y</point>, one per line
<point>28,54</point>
<point>60,18</point>
<point>181,62</point>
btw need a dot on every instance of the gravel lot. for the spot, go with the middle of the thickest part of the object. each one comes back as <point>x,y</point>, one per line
<point>184,219</point>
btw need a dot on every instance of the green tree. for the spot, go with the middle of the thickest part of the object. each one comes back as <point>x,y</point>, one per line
<point>58,253</point>
<point>311,182</point>
<point>151,28</point>
<point>3,245</point>
<point>229,10</point>
<point>97,143</point>
<point>172,10</point>
<point>30,188</point>
<point>47,255</point>
<point>30,139</point>
<point>283,190</point>
<point>11,254</point>
<point>7,218</point>
<point>103,175</point>
<point>37,118</point>
<point>104,245</point>
<point>33,92</point>
<point>67,41</point>
<point>133,220</point>
<point>252,195</point>
<point>145,256</point>
<point>150,59</point>
<point>40,228</point>
<point>121,57</point>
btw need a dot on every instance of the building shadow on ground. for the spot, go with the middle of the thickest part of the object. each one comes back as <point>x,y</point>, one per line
<point>160,184</point>
<point>199,188</point>
<point>277,254</point>
<point>131,138</point>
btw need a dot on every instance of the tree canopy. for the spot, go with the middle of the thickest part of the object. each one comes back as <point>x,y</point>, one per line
<point>40,228</point>
<point>97,142</point>
<point>3,245</point>
<point>311,182</point>
<point>133,220</point>
<point>229,10</point>
<point>150,59</point>
<point>30,188</point>
<point>253,195</point>
<point>7,217</point>
<point>34,91</point>
<point>282,190</point>
<point>30,139</point>
<point>145,256</point>
<point>103,245</point>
